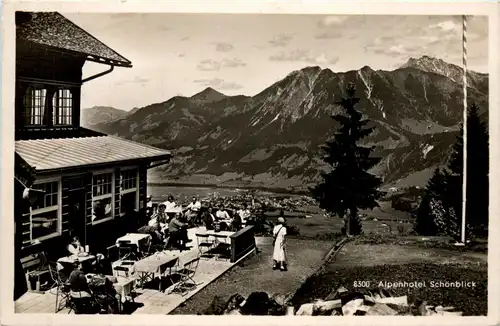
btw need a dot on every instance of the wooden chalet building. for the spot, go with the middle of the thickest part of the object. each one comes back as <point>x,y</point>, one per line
<point>85,183</point>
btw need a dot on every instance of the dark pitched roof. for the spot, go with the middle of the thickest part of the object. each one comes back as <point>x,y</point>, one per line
<point>54,30</point>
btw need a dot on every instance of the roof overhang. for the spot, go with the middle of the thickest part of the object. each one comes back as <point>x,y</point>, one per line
<point>53,30</point>
<point>48,156</point>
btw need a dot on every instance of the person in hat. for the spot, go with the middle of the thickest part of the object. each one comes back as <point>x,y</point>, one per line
<point>279,253</point>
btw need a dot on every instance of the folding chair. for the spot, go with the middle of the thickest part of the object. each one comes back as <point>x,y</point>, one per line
<point>222,247</point>
<point>169,266</point>
<point>128,250</point>
<point>204,245</point>
<point>62,288</point>
<point>124,268</point>
<point>113,253</point>
<point>36,267</point>
<point>186,274</point>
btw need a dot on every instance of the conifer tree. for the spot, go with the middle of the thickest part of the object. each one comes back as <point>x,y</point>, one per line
<point>477,172</point>
<point>425,224</point>
<point>349,187</point>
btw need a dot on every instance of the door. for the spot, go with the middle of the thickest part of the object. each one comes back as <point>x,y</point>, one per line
<point>77,211</point>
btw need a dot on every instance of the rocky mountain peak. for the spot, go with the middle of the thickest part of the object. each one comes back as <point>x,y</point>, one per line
<point>209,94</point>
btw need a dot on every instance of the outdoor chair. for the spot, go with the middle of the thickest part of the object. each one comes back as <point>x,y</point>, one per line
<point>186,274</point>
<point>61,286</point>
<point>173,264</point>
<point>124,268</point>
<point>128,250</point>
<point>204,245</point>
<point>222,248</point>
<point>113,253</point>
<point>36,267</point>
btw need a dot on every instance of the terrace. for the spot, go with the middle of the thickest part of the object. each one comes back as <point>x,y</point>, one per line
<point>147,299</point>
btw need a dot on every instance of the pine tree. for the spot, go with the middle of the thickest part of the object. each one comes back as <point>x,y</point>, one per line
<point>425,224</point>
<point>477,173</point>
<point>349,187</point>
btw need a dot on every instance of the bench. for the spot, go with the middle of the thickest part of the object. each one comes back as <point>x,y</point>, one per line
<point>242,242</point>
<point>35,266</point>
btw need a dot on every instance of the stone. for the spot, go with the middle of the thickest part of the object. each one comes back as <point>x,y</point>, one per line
<point>335,293</point>
<point>306,309</point>
<point>351,307</point>
<point>380,309</point>
<point>399,301</point>
<point>233,303</point>
<point>323,307</point>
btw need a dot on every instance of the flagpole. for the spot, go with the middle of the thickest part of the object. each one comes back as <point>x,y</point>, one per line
<point>464,182</point>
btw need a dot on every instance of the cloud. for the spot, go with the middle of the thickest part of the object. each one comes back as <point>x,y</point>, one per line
<point>395,50</point>
<point>333,34</point>
<point>223,47</point>
<point>213,65</point>
<point>305,56</point>
<point>135,80</point>
<point>281,40</point>
<point>447,26</point>
<point>332,20</point>
<point>218,83</point>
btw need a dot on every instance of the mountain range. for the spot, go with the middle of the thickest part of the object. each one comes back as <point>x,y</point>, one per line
<point>273,139</point>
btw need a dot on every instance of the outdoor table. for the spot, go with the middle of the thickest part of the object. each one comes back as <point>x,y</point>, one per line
<point>139,239</point>
<point>154,265</point>
<point>221,234</point>
<point>68,261</point>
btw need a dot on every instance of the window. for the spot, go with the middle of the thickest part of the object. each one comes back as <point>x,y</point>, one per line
<point>62,103</point>
<point>34,106</point>
<point>45,211</point>
<point>129,191</point>
<point>102,197</point>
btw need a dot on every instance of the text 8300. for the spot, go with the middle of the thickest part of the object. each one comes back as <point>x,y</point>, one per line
<point>361,284</point>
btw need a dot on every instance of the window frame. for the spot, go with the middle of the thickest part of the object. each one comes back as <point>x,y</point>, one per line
<point>55,106</point>
<point>131,190</point>
<point>27,118</point>
<point>48,209</point>
<point>100,197</point>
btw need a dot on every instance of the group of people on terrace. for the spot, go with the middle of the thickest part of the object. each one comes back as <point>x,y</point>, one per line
<point>171,220</point>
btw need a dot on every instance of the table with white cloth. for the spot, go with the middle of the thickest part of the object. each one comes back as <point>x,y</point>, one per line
<point>139,239</point>
<point>222,245</point>
<point>154,266</point>
<point>67,262</point>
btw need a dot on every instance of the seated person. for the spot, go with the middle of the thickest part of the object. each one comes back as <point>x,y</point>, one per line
<point>75,247</point>
<point>222,213</point>
<point>193,209</point>
<point>170,203</point>
<point>244,213</point>
<point>235,223</point>
<point>156,225</point>
<point>78,282</point>
<point>178,232</point>
<point>209,218</point>
<point>222,217</point>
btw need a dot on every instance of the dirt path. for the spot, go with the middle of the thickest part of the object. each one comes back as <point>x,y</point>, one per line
<point>305,256</point>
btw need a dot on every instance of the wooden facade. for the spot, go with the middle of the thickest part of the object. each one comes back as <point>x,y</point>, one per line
<point>47,106</point>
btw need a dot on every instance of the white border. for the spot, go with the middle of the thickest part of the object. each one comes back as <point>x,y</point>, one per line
<point>490,9</point>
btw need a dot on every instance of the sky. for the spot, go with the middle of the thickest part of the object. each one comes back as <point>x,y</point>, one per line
<point>182,54</point>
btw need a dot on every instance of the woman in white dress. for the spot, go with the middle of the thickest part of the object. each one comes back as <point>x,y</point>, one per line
<point>279,253</point>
